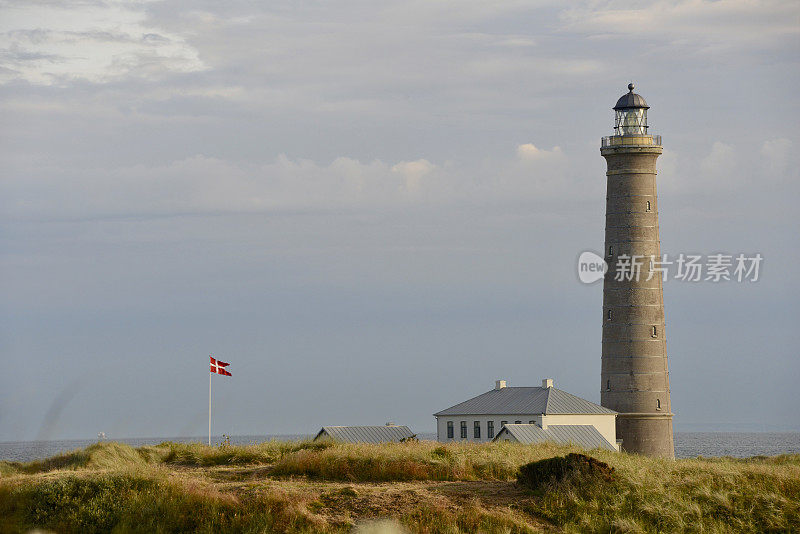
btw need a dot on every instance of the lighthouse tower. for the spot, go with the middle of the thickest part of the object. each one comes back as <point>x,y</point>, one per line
<point>635,379</point>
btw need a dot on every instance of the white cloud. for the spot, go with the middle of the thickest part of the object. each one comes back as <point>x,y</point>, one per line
<point>100,42</point>
<point>728,170</point>
<point>529,152</point>
<point>202,184</point>
<point>710,25</point>
<point>777,154</point>
<point>413,172</point>
<point>720,163</point>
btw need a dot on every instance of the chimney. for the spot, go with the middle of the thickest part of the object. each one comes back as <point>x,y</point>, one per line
<point>547,383</point>
<point>499,384</point>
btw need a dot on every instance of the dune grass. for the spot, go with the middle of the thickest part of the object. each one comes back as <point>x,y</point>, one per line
<point>411,461</point>
<point>325,487</point>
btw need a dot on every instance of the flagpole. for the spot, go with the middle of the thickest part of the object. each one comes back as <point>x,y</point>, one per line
<point>209,408</point>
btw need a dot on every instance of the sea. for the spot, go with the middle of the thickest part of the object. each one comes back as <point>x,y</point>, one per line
<point>687,444</point>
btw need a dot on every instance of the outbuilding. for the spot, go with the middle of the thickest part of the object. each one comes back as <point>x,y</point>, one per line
<point>585,436</point>
<point>366,434</point>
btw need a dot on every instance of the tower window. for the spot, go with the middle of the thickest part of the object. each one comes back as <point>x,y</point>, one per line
<point>450,430</point>
<point>610,250</point>
<point>655,331</point>
<point>608,315</point>
<point>608,384</point>
<point>658,404</point>
<point>648,205</point>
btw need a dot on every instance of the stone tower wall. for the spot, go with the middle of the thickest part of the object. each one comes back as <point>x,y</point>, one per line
<point>635,377</point>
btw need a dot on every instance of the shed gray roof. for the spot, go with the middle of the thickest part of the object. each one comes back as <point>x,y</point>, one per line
<point>585,436</point>
<point>525,401</point>
<point>365,434</point>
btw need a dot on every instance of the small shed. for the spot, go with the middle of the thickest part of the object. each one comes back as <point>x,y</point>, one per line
<point>366,434</point>
<point>586,436</point>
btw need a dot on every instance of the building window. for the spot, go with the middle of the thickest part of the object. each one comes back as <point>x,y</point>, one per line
<point>531,422</point>
<point>476,430</point>
<point>450,433</point>
<point>502,424</point>
<point>608,384</point>
<point>608,315</point>
<point>490,429</point>
<point>648,205</point>
<point>655,332</point>
<point>610,251</point>
<point>463,430</point>
<point>658,404</point>
<point>517,422</point>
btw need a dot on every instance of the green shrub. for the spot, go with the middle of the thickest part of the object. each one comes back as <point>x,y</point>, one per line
<point>138,503</point>
<point>196,454</point>
<point>577,469</point>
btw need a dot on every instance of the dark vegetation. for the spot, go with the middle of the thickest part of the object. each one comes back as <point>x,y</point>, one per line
<point>576,469</point>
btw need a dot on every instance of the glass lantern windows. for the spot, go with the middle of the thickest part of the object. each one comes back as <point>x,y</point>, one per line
<point>631,121</point>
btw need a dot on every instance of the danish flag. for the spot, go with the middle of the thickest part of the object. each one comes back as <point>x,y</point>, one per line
<point>219,367</point>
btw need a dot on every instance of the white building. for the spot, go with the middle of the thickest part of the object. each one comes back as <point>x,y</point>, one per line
<point>482,418</point>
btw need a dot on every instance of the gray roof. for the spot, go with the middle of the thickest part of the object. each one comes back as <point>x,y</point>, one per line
<point>585,436</point>
<point>631,100</point>
<point>365,434</point>
<point>525,401</point>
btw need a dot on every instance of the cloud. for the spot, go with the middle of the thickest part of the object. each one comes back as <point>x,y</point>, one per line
<point>49,44</point>
<point>729,170</point>
<point>202,184</point>
<point>688,24</point>
<point>777,154</point>
<point>413,172</point>
<point>529,152</point>
<point>720,163</point>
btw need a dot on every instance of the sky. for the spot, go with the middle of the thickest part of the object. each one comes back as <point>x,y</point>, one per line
<point>374,210</point>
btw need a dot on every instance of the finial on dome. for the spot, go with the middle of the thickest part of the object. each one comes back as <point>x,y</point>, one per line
<point>631,87</point>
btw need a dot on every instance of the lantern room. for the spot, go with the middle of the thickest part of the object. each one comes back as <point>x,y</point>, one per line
<point>630,123</point>
<point>631,114</point>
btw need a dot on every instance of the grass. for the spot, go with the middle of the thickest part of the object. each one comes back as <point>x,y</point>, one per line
<point>424,487</point>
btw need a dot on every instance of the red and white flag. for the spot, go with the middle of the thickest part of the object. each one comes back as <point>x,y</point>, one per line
<point>219,367</point>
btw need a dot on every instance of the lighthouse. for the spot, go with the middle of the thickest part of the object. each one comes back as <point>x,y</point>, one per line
<point>635,377</point>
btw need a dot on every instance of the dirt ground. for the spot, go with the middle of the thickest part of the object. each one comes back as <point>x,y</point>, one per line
<point>353,502</point>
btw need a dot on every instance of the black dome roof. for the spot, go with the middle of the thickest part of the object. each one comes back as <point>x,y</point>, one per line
<point>631,100</point>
